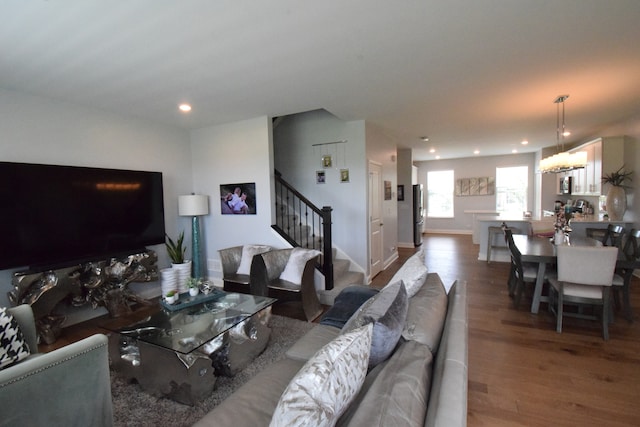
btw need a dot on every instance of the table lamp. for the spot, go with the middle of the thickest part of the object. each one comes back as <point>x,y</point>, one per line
<point>194,205</point>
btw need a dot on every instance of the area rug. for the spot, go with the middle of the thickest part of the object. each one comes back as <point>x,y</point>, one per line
<point>133,407</point>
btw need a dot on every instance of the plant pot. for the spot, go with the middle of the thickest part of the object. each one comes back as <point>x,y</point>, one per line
<point>171,299</point>
<point>193,291</point>
<point>616,203</point>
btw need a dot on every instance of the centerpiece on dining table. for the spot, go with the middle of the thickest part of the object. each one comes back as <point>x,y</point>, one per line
<point>562,228</point>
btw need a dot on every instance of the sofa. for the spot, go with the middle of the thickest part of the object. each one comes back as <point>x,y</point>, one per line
<point>422,382</point>
<point>69,386</point>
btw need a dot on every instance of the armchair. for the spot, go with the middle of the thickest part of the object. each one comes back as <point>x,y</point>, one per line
<point>67,386</point>
<point>266,271</point>
<point>236,264</point>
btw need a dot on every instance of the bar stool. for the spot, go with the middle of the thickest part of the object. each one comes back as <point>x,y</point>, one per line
<point>493,231</point>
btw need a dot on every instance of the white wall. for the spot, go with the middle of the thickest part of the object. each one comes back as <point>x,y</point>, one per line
<point>238,152</point>
<point>298,160</point>
<point>39,130</point>
<point>472,167</point>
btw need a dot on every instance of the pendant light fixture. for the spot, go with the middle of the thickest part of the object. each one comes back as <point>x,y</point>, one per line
<point>563,161</point>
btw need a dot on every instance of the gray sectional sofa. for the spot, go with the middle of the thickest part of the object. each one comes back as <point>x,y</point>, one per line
<point>422,383</point>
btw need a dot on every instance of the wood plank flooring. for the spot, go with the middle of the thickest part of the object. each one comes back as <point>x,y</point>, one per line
<point>521,372</point>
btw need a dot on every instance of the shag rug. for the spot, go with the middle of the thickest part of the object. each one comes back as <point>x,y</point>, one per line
<point>133,407</point>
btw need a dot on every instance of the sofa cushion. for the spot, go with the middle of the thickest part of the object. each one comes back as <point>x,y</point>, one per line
<point>346,303</point>
<point>248,252</point>
<point>427,313</point>
<point>295,264</point>
<point>413,273</point>
<point>311,342</point>
<point>387,310</point>
<point>327,383</point>
<point>13,347</point>
<point>395,392</point>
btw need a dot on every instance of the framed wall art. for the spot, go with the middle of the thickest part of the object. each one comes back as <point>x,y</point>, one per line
<point>326,161</point>
<point>320,177</point>
<point>344,175</point>
<point>238,199</point>
<point>387,190</point>
<point>400,193</point>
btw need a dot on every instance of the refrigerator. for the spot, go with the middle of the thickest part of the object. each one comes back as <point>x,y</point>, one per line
<point>418,214</point>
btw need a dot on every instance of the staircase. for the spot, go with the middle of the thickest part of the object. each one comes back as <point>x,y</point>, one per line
<point>303,224</point>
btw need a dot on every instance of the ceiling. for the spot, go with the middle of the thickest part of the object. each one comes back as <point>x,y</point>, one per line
<point>471,75</point>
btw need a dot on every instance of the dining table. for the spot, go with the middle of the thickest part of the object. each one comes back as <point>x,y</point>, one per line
<point>542,250</point>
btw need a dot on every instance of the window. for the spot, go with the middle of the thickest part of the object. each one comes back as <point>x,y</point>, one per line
<point>440,194</point>
<point>511,189</point>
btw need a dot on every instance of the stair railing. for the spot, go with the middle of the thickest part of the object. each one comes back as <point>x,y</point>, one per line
<point>303,224</point>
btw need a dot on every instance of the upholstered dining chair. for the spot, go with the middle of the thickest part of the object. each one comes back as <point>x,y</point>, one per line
<point>288,275</point>
<point>521,272</point>
<point>585,276</point>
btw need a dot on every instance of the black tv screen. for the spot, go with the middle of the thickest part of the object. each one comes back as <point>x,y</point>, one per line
<point>59,215</point>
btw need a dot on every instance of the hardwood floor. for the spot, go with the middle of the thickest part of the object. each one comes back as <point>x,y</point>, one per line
<point>521,372</point>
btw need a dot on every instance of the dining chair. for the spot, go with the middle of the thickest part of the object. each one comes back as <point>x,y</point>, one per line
<point>521,272</point>
<point>584,277</point>
<point>610,236</point>
<point>622,278</point>
<point>494,231</point>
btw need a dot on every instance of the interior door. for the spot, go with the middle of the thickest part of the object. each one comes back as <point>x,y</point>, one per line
<point>375,218</point>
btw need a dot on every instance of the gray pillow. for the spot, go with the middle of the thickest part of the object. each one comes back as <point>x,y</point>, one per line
<point>387,310</point>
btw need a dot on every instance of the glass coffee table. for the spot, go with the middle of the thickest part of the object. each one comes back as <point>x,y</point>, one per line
<point>179,352</point>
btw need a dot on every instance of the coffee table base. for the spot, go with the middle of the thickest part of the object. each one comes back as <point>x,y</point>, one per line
<point>189,378</point>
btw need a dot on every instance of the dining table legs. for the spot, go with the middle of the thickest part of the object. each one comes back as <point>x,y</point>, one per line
<point>537,292</point>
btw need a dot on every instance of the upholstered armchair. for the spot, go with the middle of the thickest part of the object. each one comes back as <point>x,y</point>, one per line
<point>67,386</point>
<point>236,266</point>
<point>287,274</point>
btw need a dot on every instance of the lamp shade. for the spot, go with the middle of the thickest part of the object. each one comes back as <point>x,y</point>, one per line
<point>193,205</point>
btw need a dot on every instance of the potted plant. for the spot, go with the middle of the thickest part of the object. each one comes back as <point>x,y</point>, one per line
<point>192,284</point>
<point>176,250</point>
<point>171,297</point>
<point>616,199</point>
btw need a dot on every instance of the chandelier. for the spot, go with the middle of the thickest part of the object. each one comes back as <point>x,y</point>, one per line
<point>563,161</point>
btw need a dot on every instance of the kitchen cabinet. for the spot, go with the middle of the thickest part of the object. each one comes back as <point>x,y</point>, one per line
<point>604,155</point>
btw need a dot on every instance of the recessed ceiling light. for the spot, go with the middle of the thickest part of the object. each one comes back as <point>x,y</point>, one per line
<point>437,157</point>
<point>514,151</point>
<point>185,108</point>
<point>433,150</point>
<point>524,142</point>
<point>476,151</point>
<point>425,138</point>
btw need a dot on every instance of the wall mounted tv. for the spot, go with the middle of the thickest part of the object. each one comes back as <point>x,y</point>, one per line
<point>60,215</point>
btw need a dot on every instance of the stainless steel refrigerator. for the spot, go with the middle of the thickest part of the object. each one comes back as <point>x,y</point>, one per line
<point>418,214</point>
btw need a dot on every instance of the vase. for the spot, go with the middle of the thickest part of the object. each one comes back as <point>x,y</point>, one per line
<point>616,203</point>
<point>193,292</point>
<point>184,273</point>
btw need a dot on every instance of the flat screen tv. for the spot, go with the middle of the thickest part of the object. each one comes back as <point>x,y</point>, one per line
<point>59,215</point>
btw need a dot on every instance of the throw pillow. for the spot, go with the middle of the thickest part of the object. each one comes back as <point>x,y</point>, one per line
<point>248,252</point>
<point>295,264</point>
<point>413,273</point>
<point>387,310</point>
<point>13,347</point>
<point>325,386</point>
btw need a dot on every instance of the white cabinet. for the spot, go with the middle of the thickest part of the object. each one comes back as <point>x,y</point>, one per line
<point>604,155</point>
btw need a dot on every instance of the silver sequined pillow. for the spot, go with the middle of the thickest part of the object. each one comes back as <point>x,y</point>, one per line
<point>325,386</point>
<point>13,347</point>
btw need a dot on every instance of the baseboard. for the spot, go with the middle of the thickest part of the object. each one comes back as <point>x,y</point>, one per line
<point>443,231</point>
